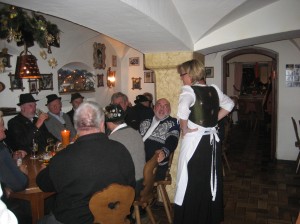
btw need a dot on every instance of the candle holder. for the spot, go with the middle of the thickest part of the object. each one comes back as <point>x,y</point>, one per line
<point>65,137</point>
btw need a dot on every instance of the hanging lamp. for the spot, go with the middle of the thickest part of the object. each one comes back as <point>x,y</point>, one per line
<point>27,67</point>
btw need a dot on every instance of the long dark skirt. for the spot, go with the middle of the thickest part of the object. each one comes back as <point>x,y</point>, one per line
<point>198,207</point>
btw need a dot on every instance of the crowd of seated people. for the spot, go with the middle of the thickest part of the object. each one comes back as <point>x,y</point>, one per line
<point>99,156</point>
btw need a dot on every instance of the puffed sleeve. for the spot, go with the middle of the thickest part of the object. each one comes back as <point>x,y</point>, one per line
<point>186,100</point>
<point>225,101</point>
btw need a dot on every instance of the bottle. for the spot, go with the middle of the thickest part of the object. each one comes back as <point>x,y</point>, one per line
<point>19,160</point>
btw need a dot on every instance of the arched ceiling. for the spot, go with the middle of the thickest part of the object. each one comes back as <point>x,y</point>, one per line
<point>203,26</point>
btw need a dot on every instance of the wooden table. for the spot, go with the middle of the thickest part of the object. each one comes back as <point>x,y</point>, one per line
<point>33,193</point>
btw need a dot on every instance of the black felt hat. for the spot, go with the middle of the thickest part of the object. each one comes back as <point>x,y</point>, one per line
<point>52,97</point>
<point>75,96</point>
<point>140,99</point>
<point>114,113</point>
<point>26,98</point>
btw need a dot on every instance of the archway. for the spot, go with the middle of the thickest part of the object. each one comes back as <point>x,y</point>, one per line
<point>274,56</point>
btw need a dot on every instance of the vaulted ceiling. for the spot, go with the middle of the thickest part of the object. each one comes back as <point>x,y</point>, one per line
<point>204,26</point>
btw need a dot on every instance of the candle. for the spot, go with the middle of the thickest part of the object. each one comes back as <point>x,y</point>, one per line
<point>65,137</point>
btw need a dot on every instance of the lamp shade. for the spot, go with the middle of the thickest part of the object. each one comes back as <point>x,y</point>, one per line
<point>27,67</point>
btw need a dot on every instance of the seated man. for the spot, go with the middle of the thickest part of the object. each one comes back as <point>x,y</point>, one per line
<point>130,138</point>
<point>76,100</point>
<point>88,165</point>
<point>12,178</point>
<point>58,121</point>
<point>139,112</point>
<point>160,134</point>
<point>121,99</point>
<point>25,127</point>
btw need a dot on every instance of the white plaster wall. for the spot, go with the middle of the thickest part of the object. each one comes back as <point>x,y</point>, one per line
<point>288,103</point>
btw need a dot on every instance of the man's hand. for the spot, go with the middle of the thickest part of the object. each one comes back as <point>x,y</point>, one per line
<point>161,155</point>
<point>42,117</point>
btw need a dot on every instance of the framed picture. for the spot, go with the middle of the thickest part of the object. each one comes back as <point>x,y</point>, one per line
<point>100,81</point>
<point>136,83</point>
<point>209,72</point>
<point>33,88</point>
<point>46,82</point>
<point>99,56</point>
<point>15,83</point>
<point>148,76</point>
<point>135,61</point>
<point>114,61</point>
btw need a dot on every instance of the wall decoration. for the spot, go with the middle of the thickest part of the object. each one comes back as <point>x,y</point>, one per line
<point>75,81</point>
<point>209,72</point>
<point>99,56</point>
<point>2,86</point>
<point>5,58</point>
<point>46,82</point>
<point>100,80</point>
<point>134,61</point>
<point>292,75</point>
<point>136,83</point>
<point>114,61</point>
<point>15,83</point>
<point>149,76</point>
<point>33,89</point>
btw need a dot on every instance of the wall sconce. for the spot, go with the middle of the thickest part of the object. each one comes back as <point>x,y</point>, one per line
<point>27,67</point>
<point>111,78</point>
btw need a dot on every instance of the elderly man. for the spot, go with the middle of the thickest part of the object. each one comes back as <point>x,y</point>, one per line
<point>25,127</point>
<point>58,121</point>
<point>130,138</point>
<point>90,164</point>
<point>160,134</point>
<point>76,100</point>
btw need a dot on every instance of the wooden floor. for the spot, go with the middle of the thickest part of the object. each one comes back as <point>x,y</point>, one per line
<point>257,190</point>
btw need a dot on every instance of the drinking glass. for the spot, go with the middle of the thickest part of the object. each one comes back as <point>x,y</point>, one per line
<point>34,150</point>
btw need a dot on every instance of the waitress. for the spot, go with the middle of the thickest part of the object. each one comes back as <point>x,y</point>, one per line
<point>199,193</point>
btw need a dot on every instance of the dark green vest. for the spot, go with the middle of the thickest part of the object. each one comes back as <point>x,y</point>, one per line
<point>206,108</point>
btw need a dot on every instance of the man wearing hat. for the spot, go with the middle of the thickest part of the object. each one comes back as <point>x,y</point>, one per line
<point>58,121</point>
<point>76,100</point>
<point>25,127</point>
<point>139,112</point>
<point>120,132</point>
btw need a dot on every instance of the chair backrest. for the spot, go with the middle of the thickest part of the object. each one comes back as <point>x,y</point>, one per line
<point>296,129</point>
<point>168,175</point>
<point>149,178</point>
<point>112,205</point>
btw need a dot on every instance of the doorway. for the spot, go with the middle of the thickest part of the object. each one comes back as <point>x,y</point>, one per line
<point>274,83</point>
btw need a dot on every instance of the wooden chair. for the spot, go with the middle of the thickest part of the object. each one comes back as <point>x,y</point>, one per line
<point>112,205</point>
<point>146,196</point>
<point>297,143</point>
<point>161,188</point>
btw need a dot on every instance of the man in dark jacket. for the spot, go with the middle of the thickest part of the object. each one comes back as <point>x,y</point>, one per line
<point>139,112</point>
<point>76,100</point>
<point>25,128</point>
<point>90,164</point>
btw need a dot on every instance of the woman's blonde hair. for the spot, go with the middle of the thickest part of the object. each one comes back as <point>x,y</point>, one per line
<point>194,68</point>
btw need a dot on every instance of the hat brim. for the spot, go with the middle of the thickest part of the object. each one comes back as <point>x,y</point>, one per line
<point>19,104</point>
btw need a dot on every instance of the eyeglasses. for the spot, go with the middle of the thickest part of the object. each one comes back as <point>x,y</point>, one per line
<point>183,74</point>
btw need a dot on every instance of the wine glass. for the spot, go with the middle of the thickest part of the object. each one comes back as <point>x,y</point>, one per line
<point>34,150</point>
<point>50,144</point>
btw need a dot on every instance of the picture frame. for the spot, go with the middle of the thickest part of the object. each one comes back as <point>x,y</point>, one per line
<point>134,61</point>
<point>46,82</point>
<point>136,83</point>
<point>100,80</point>
<point>99,56</point>
<point>209,72</point>
<point>149,76</point>
<point>15,83</point>
<point>114,61</point>
<point>33,86</point>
